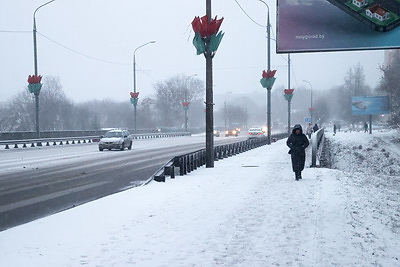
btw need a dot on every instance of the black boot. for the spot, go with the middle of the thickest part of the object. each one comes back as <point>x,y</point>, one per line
<point>296,176</point>
<point>300,175</point>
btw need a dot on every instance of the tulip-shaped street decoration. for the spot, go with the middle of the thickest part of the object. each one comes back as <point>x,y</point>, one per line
<point>311,110</point>
<point>185,105</point>
<point>288,94</point>
<point>134,98</point>
<point>207,38</point>
<point>34,84</point>
<point>268,79</point>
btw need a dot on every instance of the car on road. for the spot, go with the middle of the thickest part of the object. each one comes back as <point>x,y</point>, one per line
<point>233,132</point>
<point>116,139</point>
<point>255,133</point>
<point>216,133</point>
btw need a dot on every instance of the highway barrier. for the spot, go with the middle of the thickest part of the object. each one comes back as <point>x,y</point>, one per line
<point>78,140</point>
<point>186,163</point>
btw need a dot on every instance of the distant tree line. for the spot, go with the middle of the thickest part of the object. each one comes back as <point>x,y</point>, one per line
<point>334,105</point>
<point>57,112</point>
<point>165,110</point>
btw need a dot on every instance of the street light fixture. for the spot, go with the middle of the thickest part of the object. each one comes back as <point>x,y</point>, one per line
<point>311,108</point>
<point>268,69</point>
<point>36,66</point>
<point>134,80</point>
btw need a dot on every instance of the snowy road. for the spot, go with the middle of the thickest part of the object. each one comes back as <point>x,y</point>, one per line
<point>35,182</point>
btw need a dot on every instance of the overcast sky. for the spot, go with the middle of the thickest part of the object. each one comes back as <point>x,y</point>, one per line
<point>89,45</point>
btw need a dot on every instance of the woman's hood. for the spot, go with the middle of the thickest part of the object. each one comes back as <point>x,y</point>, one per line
<point>297,126</point>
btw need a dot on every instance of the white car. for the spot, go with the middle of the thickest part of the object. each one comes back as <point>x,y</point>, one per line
<point>117,139</point>
<point>255,133</point>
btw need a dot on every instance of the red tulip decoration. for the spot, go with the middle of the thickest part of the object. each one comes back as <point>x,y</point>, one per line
<point>288,94</point>
<point>207,38</point>
<point>268,79</point>
<point>34,84</point>
<point>134,98</point>
<point>185,105</point>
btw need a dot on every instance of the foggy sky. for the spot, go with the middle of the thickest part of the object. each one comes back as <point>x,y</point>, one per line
<point>89,44</point>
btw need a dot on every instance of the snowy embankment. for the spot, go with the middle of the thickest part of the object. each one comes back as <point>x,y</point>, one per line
<point>247,211</point>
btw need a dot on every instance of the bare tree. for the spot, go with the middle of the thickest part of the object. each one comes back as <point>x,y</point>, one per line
<point>172,93</point>
<point>390,85</point>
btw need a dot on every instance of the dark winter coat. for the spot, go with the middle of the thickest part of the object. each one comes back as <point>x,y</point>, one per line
<point>297,144</point>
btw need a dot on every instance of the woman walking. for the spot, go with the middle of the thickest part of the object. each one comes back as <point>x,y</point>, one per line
<point>297,142</point>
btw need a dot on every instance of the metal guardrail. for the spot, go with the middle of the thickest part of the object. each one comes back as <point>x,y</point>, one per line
<point>193,160</point>
<point>22,135</point>
<point>317,143</point>
<point>79,140</point>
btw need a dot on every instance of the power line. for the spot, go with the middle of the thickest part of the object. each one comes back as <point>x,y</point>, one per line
<point>82,54</point>
<point>244,11</point>
<point>9,31</point>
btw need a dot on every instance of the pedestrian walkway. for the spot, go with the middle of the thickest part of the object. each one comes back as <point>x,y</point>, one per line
<point>247,211</point>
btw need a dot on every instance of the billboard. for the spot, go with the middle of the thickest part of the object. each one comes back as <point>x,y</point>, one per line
<point>370,105</point>
<point>337,25</point>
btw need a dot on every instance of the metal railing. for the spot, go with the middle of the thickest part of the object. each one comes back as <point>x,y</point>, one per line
<point>189,162</point>
<point>317,143</point>
<point>78,140</point>
<point>20,135</point>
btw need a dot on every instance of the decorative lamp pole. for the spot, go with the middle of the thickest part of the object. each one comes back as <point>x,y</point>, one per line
<point>288,96</point>
<point>36,88</point>
<point>225,110</point>
<point>185,106</point>
<point>206,41</point>
<point>311,109</point>
<point>267,81</point>
<point>268,70</point>
<point>134,102</point>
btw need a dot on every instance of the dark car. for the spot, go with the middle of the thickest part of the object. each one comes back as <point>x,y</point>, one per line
<point>115,139</point>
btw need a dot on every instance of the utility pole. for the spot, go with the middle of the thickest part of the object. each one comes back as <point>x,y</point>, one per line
<point>35,63</point>
<point>289,88</point>
<point>206,40</point>
<point>209,99</point>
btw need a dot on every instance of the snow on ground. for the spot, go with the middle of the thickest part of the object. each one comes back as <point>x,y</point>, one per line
<point>247,211</point>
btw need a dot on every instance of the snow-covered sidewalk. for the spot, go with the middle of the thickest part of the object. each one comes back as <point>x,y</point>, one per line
<point>247,211</point>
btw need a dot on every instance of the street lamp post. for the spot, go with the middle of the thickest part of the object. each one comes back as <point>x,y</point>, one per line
<point>289,101</point>
<point>186,103</point>
<point>134,79</point>
<point>206,40</point>
<point>268,69</point>
<point>311,108</point>
<point>225,110</point>
<point>36,66</point>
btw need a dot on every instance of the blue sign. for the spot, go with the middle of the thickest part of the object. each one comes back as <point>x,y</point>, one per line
<point>307,119</point>
<point>370,105</point>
